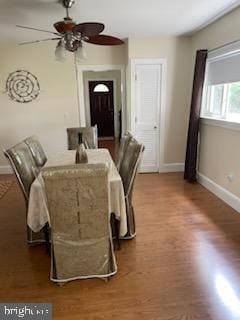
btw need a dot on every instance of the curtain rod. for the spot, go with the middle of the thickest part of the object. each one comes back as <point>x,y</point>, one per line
<point>224,45</point>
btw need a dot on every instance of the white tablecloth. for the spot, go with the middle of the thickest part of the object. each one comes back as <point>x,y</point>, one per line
<point>38,214</point>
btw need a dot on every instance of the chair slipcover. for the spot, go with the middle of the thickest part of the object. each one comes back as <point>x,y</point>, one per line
<point>90,137</point>
<point>78,206</point>
<point>25,169</point>
<point>123,146</point>
<point>36,151</point>
<point>128,170</point>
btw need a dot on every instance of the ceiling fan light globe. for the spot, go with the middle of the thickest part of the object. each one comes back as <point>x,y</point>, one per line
<point>60,53</point>
<point>69,46</point>
<point>80,53</point>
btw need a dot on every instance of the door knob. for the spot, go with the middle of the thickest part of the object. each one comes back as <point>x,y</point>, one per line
<point>155,127</point>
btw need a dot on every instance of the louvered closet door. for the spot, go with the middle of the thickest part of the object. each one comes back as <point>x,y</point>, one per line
<point>147,98</point>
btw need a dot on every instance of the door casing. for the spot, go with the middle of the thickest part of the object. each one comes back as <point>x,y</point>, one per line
<point>162,102</point>
<point>80,87</point>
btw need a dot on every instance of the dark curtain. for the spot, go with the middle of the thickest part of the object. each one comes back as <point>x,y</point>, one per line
<point>192,141</point>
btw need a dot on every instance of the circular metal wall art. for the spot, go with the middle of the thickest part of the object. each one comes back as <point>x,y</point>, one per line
<point>22,86</point>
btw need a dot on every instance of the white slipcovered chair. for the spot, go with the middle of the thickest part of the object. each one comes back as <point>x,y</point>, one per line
<point>89,135</point>
<point>122,148</point>
<point>25,169</point>
<point>128,171</point>
<point>36,150</point>
<point>78,204</point>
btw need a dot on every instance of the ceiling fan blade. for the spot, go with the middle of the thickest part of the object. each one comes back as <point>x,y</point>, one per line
<point>104,40</point>
<point>64,26</point>
<point>89,29</point>
<point>30,42</point>
<point>36,29</point>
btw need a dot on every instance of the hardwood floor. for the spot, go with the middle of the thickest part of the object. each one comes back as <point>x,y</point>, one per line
<point>111,145</point>
<point>183,265</point>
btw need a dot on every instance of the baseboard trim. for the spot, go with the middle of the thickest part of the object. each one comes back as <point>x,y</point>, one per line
<point>147,169</point>
<point>5,170</point>
<point>222,193</point>
<point>171,167</point>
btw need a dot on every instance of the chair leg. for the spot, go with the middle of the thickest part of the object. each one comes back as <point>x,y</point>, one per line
<point>115,225</point>
<point>130,219</point>
<point>46,234</point>
<point>117,229</point>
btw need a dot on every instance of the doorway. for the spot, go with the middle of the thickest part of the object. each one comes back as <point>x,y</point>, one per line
<point>103,74</point>
<point>101,98</point>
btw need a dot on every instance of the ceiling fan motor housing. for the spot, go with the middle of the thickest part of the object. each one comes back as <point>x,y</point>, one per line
<point>68,3</point>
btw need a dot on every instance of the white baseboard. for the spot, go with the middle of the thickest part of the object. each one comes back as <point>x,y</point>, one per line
<point>5,170</point>
<point>171,167</point>
<point>147,169</point>
<point>222,193</point>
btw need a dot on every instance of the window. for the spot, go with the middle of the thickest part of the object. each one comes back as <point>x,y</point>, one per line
<point>221,97</point>
<point>101,88</point>
<point>223,102</point>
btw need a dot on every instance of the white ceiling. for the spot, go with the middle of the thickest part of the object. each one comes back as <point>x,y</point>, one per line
<point>122,18</point>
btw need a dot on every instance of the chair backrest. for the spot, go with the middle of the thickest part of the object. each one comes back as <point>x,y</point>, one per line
<point>130,163</point>
<point>122,148</point>
<point>23,165</point>
<point>90,137</point>
<point>77,199</point>
<point>37,151</point>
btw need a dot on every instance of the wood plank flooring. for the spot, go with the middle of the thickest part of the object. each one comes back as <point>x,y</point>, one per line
<point>111,145</point>
<point>183,265</point>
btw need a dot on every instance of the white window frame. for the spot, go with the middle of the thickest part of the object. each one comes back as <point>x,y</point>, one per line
<point>207,117</point>
<point>207,106</point>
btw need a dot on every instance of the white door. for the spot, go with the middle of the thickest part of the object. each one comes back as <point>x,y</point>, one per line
<point>147,113</point>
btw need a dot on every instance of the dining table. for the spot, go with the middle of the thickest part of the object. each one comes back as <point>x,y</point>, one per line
<point>38,215</point>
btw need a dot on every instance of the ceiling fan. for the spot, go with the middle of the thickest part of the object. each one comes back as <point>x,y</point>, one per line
<point>70,36</point>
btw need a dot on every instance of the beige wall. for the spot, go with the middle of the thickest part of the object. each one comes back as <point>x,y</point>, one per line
<point>57,105</point>
<point>101,55</point>
<point>177,51</point>
<point>53,110</point>
<point>219,33</point>
<point>219,147</point>
<point>220,156</point>
<point>56,108</point>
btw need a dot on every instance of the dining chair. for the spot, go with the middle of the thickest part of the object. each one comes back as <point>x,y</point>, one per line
<point>122,148</point>
<point>36,150</point>
<point>90,137</point>
<point>78,204</point>
<point>25,170</point>
<point>128,171</point>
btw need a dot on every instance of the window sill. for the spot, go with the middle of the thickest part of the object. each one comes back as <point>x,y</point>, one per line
<point>220,123</point>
